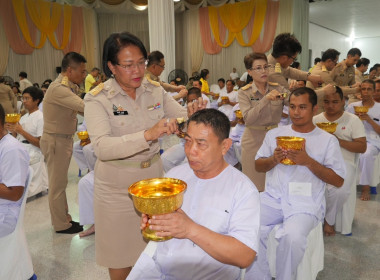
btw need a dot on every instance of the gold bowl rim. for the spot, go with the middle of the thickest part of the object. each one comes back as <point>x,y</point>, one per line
<point>291,138</point>
<point>361,108</point>
<point>327,123</point>
<point>183,183</point>
<point>84,132</point>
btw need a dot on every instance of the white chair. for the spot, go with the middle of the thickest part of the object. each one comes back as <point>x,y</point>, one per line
<point>312,261</point>
<point>15,259</point>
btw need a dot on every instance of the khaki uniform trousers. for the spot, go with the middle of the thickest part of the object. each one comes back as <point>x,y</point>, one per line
<point>57,151</point>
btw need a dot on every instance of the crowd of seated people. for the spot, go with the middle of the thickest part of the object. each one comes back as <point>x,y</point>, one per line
<point>234,138</point>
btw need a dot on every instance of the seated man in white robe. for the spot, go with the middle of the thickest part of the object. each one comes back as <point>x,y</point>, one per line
<point>14,169</point>
<point>83,152</point>
<point>228,99</point>
<point>215,232</point>
<point>351,136</point>
<point>175,155</point>
<point>29,131</point>
<point>294,195</point>
<point>86,203</point>
<point>371,121</point>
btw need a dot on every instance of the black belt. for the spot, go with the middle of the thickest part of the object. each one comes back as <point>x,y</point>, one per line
<point>25,142</point>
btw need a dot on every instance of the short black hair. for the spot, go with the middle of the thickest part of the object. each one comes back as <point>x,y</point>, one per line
<point>47,81</point>
<point>222,80</point>
<point>2,116</point>
<point>204,73</point>
<point>36,85</point>
<point>72,58</point>
<point>196,79</point>
<point>155,58</point>
<point>232,81</point>
<point>339,91</point>
<point>2,79</point>
<point>317,59</point>
<point>368,81</point>
<point>23,74</point>
<point>377,65</point>
<point>305,90</point>
<point>95,69</point>
<point>354,51</point>
<point>35,93</point>
<point>330,54</point>
<point>215,119</point>
<point>286,44</point>
<point>363,61</point>
<point>114,43</point>
<point>295,64</point>
<point>194,90</point>
<point>372,68</point>
<point>251,57</point>
<point>45,86</point>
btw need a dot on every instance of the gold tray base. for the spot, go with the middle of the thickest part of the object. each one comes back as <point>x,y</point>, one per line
<point>151,235</point>
<point>287,161</point>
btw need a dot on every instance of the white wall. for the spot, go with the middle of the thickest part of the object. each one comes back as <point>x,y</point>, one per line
<point>321,39</point>
<point>369,48</point>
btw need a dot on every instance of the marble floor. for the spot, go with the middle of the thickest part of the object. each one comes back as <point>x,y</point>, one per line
<point>68,257</point>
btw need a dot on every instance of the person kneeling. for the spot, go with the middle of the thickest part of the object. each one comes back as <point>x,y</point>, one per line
<point>215,232</point>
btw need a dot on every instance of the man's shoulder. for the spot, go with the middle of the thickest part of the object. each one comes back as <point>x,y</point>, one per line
<point>11,144</point>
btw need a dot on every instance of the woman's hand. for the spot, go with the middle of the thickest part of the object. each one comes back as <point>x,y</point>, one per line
<point>164,126</point>
<point>274,95</point>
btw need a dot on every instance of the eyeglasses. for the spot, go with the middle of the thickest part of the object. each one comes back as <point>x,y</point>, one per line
<point>261,68</point>
<point>25,98</point>
<point>130,67</point>
<point>293,57</point>
<point>162,66</point>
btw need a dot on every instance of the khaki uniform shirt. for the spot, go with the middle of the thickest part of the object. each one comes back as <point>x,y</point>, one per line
<point>277,74</point>
<point>116,122</point>
<point>343,75</point>
<point>61,106</point>
<point>166,86</point>
<point>359,78</point>
<point>7,99</point>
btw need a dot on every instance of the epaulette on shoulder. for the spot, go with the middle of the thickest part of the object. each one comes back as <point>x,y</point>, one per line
<point>272,84</point>
<point>157,84</point>
<point>324,69</point>
<point>246,87</point>
<point>65,81</point>
<point>96,89</point>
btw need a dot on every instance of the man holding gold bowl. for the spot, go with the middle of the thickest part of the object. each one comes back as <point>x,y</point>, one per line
<point>215,232</point>
<point>295,194</point>
<point>351,136</point>
<point>371,121</point>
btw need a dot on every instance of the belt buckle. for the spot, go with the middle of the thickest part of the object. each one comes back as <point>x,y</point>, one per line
<point>145,164</point>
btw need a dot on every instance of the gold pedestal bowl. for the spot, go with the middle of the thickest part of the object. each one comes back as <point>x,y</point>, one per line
<point>12,118</point>
<point>225,99</point>
<point>83,136</point>
<point>329,127</point>
<point>239,117</point>
<point>290,143</point>
<point>361,110</point>
<point>157,196</point>
<point>216,96</point>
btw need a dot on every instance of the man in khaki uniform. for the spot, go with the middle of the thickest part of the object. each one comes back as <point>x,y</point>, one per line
<point>61,105</point>
<point>285,50</point>
<point>7,98</point>
<point>329,60</point>
<point>154,68</point>
<point>344,72</point>
<point>361,68</point>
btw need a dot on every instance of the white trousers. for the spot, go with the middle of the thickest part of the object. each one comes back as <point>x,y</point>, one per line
<point>86,199</point>
<point>292,238</point>
<point>84,156</point>
<point>173,156</point>
<point>367,163</point>
<point>337,197</point>
<point>89,155</point>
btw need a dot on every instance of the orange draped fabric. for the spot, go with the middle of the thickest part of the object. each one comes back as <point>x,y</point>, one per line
<point>210,46</point>
<point>77,32</point>
<point>264,45</point>
<point>46,17</point>
<point>15,39</point>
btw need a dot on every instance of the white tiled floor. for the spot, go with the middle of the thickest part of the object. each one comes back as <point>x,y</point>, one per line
<point>67,257</point>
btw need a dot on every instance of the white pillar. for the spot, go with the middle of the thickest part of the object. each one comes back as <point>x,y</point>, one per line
<point>162,32</point>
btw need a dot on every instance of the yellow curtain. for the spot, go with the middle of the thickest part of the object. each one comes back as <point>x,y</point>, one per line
<point>46,16</point>
<point>18,7</point>
<point>236,17</point>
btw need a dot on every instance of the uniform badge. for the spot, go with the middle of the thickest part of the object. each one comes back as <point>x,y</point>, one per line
<point>153,107</point>
<point>277,68</point>
<point>324,69</point>
<point>118,110</point>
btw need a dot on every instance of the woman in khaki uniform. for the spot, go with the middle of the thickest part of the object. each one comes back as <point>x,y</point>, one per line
<point>261,104</point>
<point>7,98</point>
<point>125,116</point>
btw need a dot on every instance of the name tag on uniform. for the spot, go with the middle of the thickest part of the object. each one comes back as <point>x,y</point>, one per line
<point>255,99</point>
<point>120,113</point>
<point>300,188</point>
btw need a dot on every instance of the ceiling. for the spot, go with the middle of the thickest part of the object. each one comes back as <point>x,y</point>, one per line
<point>347,16</point>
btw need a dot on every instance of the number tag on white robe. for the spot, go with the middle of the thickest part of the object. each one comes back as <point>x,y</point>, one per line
<point>300,188</point>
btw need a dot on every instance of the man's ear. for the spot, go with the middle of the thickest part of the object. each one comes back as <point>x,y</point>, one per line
<point>226,145</point>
